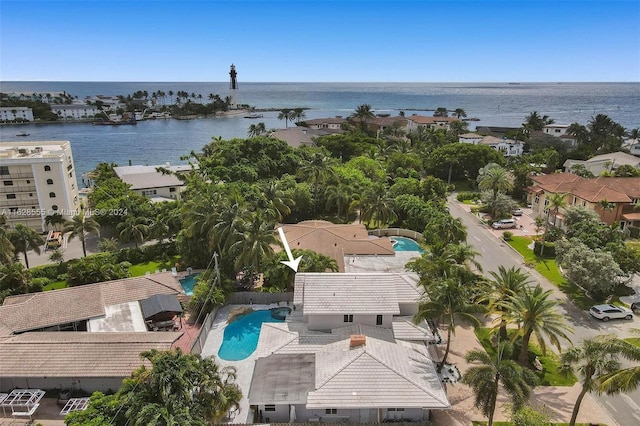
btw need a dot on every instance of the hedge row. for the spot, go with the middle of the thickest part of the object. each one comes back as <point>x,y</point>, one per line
<point>549,249</point>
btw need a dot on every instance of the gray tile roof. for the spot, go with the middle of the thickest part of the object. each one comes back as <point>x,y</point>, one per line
<point>50,308</point>
<point>356,293</point>
<point>405,329</point>
<point>78,354</point>
<point>377,374</point>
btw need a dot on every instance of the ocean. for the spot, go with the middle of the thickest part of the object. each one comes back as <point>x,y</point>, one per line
<point>161,141</point>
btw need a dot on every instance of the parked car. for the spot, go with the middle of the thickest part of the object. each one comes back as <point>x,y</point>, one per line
<point>504,224</point>
<point>607,312</point>
<point>517,212</point>
<point>635,307</point>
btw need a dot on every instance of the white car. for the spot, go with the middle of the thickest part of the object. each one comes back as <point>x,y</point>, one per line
<point>517,212</point>
<point>504,224</point>
<point>607,312</point>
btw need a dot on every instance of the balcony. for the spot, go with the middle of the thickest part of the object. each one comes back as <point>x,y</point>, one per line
<point>16,189</point>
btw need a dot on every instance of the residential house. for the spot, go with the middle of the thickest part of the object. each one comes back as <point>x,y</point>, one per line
<point>508,147</point>
<point>14,113</point>
<point>472,138</point>
<point>83,338</point>
<point>437,123</point>
<point>333,125</point>
<point>621,195</point>
<point>634,148</point>
<point>604,163</point>
<point>298,136</point>
<point>379,124</point>
<point>151,183</point>
<point>369,364</point>
<point>336,241</point>
<point>556,130</point>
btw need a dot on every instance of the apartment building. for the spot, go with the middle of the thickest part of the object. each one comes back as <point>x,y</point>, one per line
<point>75,112</point>
<point>37,179</point>
<point>13,113</point>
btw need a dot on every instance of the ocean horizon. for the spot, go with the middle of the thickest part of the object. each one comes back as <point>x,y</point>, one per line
<point>161,141</point>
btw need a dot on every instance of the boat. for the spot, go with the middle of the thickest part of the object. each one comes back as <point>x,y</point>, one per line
<point>23,134</point>
<point>253,116</point>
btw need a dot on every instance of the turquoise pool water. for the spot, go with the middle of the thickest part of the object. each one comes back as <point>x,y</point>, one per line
<point>406,244</point>
<point>241,336</point>
<point>188,282</point>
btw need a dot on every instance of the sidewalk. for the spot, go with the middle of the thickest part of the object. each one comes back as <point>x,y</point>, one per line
<point>556,401</point>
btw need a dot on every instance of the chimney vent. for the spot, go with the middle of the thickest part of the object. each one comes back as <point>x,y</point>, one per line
<point>357,340</point>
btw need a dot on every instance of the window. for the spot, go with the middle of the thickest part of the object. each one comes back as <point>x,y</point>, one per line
<point>8,183</point>
<point>47,168</point>
<point>378,319</point>
<point>70,174</point>
<point>172,189</point>
<point>52,195</point>
<point>348,318</point>
<point>49,181</point>
<point>634,201</point>
<point>11,196</point>
<point>536,200</point>
<point>331,411</point>
<point>269,408</point>
<point>395,409</point>
<point>28,181</point>
<point>575,200</point>
<point>54,208</point>
<point>4,170</point>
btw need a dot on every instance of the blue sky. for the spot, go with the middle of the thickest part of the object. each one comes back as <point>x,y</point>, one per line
<point>332,41</point>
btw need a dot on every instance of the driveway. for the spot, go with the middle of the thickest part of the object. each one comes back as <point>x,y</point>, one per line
<point>495,252</point>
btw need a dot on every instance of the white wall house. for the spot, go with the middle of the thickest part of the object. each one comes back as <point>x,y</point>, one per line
<point>556,130</point>
<point>348,353</point>
<point>603,163</point>
<point>508,147</point>
<point>75,112</point>
<point>325,123</point>
<point>13,113</point>
<point>149,182</point>
<point>37,179</point>
<point>472,138</point>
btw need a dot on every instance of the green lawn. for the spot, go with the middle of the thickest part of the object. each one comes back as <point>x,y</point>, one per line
<point>550,362</point>
<point>633,340</point>
<point>139,269</point>
<point>56,285</point>
<point>548,268</point>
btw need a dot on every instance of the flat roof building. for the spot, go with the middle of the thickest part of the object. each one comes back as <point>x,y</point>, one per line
<point>37,179</point>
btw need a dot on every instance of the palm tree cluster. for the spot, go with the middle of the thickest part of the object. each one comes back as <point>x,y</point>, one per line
<point>288,114</point>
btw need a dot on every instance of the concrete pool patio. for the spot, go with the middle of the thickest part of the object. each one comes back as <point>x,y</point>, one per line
<point>244,368</point>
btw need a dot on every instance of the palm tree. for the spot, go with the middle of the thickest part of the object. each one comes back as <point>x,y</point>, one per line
<point>6,247</point>
<point>597,362</point>
<point>298,114</point>
<point>57,255</point>
<point>318,169</point>
<point>80,226</point>
<point>55,220</point>
<point>533,310</point>
<point>377,207</point>
<point>556,202</point>
<point>494,178</point>
<point>256,130</point>
<point>278,201</point>
<point>534,121</point>
<point>285,114</point>
<point>495,370</point>
<point>506,284</point>
<point>343,197</point>
<point>459,112</point>
<point>24,239</point>
<point>362,114</point>
<point>134,229</point>
<point>448,300</point>
<point>255,243</point>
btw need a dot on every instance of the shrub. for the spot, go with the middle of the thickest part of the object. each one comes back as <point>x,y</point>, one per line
<point>38,284</point>
<point>549,249</point>
<point>506,235</point>
<point>50,271</point>
<point>473,196</point>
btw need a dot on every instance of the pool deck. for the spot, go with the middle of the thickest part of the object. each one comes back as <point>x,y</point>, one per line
<point>379,263</point>
<point>244,368</point>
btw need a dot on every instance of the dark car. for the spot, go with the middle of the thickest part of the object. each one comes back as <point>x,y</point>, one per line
<point>635,307</point>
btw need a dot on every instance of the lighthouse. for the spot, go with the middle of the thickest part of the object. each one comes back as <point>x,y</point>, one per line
<point>233,85</point>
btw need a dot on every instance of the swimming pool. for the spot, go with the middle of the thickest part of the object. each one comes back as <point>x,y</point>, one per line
<point>405,244</point>
<point>188,282</point>
<point>241,336</point>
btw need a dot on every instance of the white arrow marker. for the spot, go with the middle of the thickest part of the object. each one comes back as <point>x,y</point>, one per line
<point>291,263</point>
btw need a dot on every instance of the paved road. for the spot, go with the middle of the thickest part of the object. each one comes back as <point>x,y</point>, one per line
<point>625,409</point>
